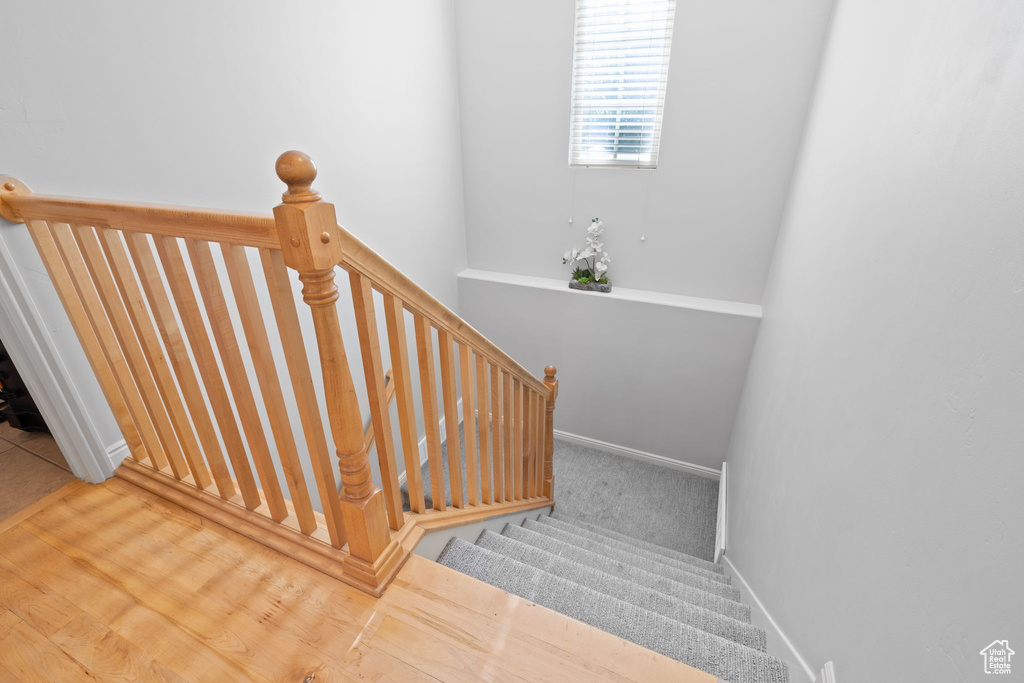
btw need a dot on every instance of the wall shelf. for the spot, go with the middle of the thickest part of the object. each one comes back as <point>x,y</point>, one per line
<point>619,293</point>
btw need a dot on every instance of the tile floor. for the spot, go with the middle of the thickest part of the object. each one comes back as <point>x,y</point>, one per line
<point>31,466</point>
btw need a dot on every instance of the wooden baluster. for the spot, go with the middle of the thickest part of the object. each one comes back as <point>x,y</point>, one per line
<point>89,338</point>
<point>469,423</point>
<point>539,468</point>
<point>283,301</point>
<point>131,294</point>
<point>398,345</point>
<point>498,459</point>
<point>373,370</point>
<point>428,397</point>
<point>517,437</point>
<point>255,330</point>
<point>89,247</point>
<point>549,430</point>
<point>79,273</point>
<point>145,265</point>
<point>508,433</point>
<point>195,330</point>
<point>484,421</point>
<point>311,244</point>
<point>234,368</point>
<point>451,417</point>
<point>530,447</point>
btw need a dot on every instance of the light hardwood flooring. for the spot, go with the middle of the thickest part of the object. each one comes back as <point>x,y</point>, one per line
<point>109,582</point>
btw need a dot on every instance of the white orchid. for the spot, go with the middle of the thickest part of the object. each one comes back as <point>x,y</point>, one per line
<point>592,269</point>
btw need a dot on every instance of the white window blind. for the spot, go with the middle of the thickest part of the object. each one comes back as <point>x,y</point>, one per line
<point>619,74</point>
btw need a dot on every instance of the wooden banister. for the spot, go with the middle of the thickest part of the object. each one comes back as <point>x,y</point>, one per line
<point>246,229</point>
<point>189,355</point>
<point>386,278</point>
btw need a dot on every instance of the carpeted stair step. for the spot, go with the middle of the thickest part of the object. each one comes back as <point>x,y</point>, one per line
<point>716,596</point>
<point>624,589</point>
<point>683,562</point>
<point>715,583</point>
<point>661,550</point>
<point>717,656</point>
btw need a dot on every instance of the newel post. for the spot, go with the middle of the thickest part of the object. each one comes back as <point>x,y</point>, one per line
<point>549,431</point>
<point>311,244</point>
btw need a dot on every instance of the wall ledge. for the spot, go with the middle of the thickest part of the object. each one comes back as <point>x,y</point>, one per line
<point>619,293</point>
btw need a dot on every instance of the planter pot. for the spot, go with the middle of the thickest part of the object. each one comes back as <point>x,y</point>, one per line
<point>590,286</point>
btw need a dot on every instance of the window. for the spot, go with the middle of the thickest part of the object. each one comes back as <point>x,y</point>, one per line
<point>619,74</point>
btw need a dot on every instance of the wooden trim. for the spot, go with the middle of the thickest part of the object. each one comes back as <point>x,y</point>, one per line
<point>428,395</point>
<point>131,293</point>
<point>131,342</point>
<point>235,227</point>
<point>445,349</point>
<point>377,394</point>
<point>87,337</point>
<point>24,513</point>
<point>199,340</point>
<point>306,549</point>
<point>484,423</point>
<point>313,551</point>
<point>388,279</point>
<point>297,359</point>
<point>212,294</point>
<point>398,346</point>
<point>254,328</point>
<point>436,521</point>
<point>469,423</point>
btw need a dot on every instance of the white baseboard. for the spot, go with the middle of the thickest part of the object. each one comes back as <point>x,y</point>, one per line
<point>793,655</point>
<point>117,452</point>
<point>721,528</point>
<point>659,460</point>
<point>423,442</point>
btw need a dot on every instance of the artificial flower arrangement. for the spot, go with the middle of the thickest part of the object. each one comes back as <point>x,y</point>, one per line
<point>589,271</point>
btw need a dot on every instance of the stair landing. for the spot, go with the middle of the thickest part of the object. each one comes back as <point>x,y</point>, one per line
<point>110,581</point>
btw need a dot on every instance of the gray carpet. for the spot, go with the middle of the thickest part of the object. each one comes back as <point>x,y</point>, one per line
<point>666,507</point>
<point>621,495</point>
<point>673,638</point>
<point>628,551</point>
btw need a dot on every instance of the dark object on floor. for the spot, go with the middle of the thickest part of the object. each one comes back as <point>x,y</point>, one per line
<point>18,407</point>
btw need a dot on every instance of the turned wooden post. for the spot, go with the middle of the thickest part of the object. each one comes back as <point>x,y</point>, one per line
<point>311,244</point>
<point>549,431</point>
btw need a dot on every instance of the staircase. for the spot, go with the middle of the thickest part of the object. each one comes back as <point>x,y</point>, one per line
<point>675,604</point>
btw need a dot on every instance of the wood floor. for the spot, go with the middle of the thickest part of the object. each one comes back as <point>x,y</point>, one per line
<point>110,582</point>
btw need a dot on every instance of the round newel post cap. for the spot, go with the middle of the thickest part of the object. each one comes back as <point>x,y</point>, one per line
<point>297,171</point>
<point>550,372</point>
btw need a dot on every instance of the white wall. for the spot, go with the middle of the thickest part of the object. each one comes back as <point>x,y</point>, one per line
<point>740,79</point>
<point>611,351</point>
<point>876,468</point>
<point>191,102</point>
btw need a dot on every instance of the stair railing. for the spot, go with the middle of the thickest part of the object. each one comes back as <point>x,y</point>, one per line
<point>148,298</point>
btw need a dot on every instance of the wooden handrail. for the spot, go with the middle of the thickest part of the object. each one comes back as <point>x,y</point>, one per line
<point>233,227</point>
<point>387,278</point>
<point>258,230</point>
